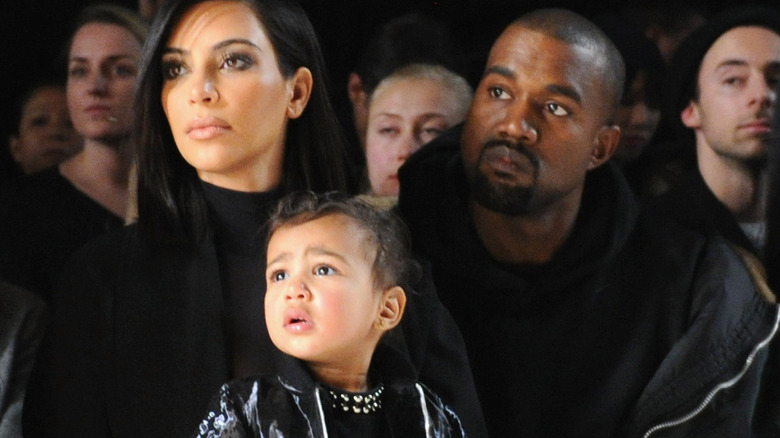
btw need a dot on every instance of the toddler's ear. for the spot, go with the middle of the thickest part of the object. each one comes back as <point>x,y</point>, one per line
<point>391,308</point>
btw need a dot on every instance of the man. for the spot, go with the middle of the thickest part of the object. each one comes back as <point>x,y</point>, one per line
<point>581,316</point>
<point>724,94</point>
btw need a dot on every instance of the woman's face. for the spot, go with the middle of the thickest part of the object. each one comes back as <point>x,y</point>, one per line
<point>102,72</point>
<point>225,98</point>
<point>403,115</point>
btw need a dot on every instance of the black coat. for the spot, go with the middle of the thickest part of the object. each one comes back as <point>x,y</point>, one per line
<point>693,205</point>
<point>632,323</point>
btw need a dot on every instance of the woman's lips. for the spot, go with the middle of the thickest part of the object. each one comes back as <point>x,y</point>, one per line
<point>207,128</point>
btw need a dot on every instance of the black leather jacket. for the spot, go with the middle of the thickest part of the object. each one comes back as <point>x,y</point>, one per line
<point>291,404</point>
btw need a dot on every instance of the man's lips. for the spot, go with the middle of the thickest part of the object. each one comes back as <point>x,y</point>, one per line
<point>761,126</point>
<point>506,159</point>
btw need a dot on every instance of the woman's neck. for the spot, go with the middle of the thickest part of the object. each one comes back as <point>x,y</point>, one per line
<point>101,172</point>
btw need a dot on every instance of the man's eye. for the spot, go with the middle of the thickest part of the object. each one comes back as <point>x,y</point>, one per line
<point>734,81</point>
<point>324,270</point>
<point>557,109</point>
<point>497,93</point>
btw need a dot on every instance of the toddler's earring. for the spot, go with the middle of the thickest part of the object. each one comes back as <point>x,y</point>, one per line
<point>380,324</point>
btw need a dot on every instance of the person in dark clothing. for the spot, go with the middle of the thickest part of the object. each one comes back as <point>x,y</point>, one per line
<point>337,272</point>
<point>232,113</point>
<point>724,95</point>
<point>47,216</point>
<point>583,317</point>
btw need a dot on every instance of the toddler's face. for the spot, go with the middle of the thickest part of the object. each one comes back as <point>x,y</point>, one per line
<point>321,304</point>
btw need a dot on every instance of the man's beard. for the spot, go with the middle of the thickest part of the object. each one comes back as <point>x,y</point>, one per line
<point>502,198</point>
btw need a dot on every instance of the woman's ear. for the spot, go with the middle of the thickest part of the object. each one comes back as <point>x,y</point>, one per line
<point>391,308</point>
<point>300,91</point>
<point>604,145</point>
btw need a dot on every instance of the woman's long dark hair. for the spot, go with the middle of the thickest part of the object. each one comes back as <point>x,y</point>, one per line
<point>171,206</point>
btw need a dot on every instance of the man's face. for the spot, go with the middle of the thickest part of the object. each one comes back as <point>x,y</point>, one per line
<point>733,112</point>
<point>537,123</point>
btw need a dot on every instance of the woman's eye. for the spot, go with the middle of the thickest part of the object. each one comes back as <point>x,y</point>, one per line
<point>236,61</point>
<point>77,72</point>
<point>124,71</point>
<point>428,134</point>
<point>172,70</point>
<point>324,270</point>
<point>557,109</point>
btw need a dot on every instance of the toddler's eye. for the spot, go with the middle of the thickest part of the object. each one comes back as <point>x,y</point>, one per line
<point>279,276</point>
<point>324,270</point>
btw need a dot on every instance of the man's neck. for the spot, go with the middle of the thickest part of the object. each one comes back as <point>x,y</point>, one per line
<point>525,239</point>
<point>739,185</point>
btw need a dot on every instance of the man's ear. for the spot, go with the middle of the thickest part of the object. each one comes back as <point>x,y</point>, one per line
<point>300,91</point>
<point>604,145</point>
<point>391,308</point>
<point>690,115</point>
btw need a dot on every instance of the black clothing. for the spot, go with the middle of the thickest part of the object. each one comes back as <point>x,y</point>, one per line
<point>291,404</point>
<point>155,332</point>
<point>43,221</point>
<point>23,319</point>
<point>239,229</point>
<point>693,205</point>
<point>632,321</point>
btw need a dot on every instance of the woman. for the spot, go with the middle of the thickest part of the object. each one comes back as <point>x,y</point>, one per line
<point>46,217</point>
<point>409,108</point>
<point>232,113</point>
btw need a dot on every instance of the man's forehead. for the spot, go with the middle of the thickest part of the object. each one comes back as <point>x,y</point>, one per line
<point>536,51</point>
<point>522,41</point>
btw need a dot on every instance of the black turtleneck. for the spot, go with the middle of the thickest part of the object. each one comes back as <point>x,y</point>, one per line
<point>239,220</point>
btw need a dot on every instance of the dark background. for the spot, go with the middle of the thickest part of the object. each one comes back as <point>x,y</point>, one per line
<point>34,32</point>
